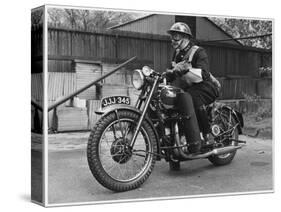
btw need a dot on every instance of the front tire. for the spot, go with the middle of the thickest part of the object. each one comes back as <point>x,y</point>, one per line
<point>111,161</point>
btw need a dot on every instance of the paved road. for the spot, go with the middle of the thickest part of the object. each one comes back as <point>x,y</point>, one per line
<point>70,179</point>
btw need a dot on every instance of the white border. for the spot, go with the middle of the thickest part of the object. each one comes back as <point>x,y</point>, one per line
<point>159,198</point>
<point>46,204</point>
<point>152,12</point>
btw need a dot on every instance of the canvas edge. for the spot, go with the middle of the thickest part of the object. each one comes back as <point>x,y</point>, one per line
<point>43,137</point>
<point>45,148</point>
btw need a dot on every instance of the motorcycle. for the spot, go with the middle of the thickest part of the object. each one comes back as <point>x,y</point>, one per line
<point>127,140</point>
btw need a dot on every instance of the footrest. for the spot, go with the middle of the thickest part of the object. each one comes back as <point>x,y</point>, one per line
<point>238,141</point>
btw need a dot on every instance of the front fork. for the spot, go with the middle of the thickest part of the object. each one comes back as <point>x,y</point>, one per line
<point>132,143</point>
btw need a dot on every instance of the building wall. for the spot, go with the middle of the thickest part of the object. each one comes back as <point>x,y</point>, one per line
<point>206,31</point>
<point>190,21</point>
<point>164,22</point>
<point>201,28</point>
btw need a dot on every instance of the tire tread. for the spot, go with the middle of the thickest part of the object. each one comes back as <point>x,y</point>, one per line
<point>92,153</point>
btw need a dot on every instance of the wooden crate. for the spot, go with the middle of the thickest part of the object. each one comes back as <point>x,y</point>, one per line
<point>71,119</point>
<point>112,90</point>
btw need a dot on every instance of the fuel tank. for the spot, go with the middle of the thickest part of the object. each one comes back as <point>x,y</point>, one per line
<point>168,95</point>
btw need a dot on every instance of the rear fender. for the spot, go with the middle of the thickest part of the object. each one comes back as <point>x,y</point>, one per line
<point>237,116</point>
<point>114,108</point>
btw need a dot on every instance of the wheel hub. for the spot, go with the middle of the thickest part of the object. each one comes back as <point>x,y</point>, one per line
<point>120,151</point>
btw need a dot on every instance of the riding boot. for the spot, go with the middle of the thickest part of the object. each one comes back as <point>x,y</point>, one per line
<point>190,123</point>
<point>203,120</point>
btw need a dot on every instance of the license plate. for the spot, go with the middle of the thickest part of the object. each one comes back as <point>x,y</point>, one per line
<point>112,100</point>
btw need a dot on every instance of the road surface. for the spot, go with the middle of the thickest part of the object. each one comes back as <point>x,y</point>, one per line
<point>70,180</point>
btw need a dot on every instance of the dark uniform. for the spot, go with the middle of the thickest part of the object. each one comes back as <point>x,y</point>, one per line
<point>202,93</point>
<point>205,92</point>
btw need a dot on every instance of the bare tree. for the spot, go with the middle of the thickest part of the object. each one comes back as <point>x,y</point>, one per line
<point>72,16</point>
<point>88,19</point>
<point>56,16</point>
<point>240,28</point>
<point>36,17</point>
<point>85,18</point>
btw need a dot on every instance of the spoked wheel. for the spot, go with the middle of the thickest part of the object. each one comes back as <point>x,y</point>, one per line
<point>226,122</point>
<point>112,161</point>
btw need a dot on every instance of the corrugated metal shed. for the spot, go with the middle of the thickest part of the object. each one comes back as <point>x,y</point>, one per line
<point>202,28</point>
<point>208,30</point>
<point>152,24</point>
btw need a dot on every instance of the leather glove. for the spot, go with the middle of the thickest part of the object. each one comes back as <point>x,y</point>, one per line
<point>170,75</point>
<point>181,68</point>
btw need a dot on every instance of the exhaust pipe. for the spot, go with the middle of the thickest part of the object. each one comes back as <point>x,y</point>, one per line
<point>225,150</point>
<point>217,151</point>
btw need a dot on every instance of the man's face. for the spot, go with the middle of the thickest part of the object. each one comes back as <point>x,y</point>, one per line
<point>176,39</point>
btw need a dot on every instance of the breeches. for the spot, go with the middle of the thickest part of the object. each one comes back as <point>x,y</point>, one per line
<point>203,93</point>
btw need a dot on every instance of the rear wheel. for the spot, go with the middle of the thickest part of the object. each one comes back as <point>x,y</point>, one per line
<point>226,122</point>
<point>112,161</point>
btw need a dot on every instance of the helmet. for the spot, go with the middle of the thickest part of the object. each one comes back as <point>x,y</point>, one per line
<point>180,27</point>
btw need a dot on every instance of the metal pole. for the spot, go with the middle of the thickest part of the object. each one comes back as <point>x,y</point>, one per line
<point>242,38</point>
<point>89,85</point>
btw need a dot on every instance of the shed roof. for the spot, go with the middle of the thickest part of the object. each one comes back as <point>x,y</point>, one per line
<point>150,15</point>
<point>132,21</point>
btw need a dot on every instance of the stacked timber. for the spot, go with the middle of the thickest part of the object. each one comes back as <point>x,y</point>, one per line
<point>60,85</point>
<point>87,72</point>
<point>52,115</point>
<point>71,119</point>
<point>37,86</point>
<point>119,77</point>
<point>92,106</point>
<point>115,84</point>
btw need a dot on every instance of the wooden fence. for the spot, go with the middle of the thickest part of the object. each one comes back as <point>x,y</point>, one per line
<point>235,66</point>
<point>65,45</point>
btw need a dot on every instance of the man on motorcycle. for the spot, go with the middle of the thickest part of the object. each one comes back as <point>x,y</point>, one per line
<point>190,72</point>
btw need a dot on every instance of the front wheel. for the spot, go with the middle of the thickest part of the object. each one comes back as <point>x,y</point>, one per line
<point>112,161</point>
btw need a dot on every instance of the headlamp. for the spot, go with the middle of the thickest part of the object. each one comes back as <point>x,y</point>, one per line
<point>146,71</point>
<point>138,79</point>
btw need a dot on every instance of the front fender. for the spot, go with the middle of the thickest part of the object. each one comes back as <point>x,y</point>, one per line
<point>103,111</point>
<point>114,108</point>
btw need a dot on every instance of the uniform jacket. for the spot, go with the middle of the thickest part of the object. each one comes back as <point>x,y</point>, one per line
<point>199,60</point>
